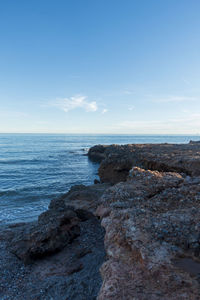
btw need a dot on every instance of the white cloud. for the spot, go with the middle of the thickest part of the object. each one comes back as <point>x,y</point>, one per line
<point>105,110</point>
<point>67,104</point>
<point>131,108</point>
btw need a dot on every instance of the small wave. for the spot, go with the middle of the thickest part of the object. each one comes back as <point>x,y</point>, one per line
<point>21,161</point>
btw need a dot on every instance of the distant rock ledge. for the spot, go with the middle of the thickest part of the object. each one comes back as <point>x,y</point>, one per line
<point>116,161</point>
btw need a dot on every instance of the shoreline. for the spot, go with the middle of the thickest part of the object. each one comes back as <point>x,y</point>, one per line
<point>151,188</point>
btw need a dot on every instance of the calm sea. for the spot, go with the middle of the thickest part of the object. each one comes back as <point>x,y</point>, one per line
<point>34,168</point>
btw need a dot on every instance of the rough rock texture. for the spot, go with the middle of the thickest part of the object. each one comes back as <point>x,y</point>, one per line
<point>71,273</point>
<point>116,161</point>
<point>53,231</point>
<point>62,251</point>
<point>59,225</point>
<point>80,197</point>
<point>152,240</point>
<point>97,153</point>
<point>149,205</point>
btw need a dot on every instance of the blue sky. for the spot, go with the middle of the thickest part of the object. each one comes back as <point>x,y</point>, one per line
<point>100,66</point>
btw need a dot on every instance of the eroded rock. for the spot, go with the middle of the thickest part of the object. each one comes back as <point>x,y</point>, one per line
<point>53,231</point>
<point>80,197</point>
<point>116,161</point>
<point>151,221</point>
<point>59,225</point>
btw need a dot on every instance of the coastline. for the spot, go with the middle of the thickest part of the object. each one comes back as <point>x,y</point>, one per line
<point>148,202</point>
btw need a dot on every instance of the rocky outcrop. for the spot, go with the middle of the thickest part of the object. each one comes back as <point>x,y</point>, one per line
<point>62,251</point>
<point>59,225</point>
<point>152,240</point>
<point>71,273</point>
<point>116,161</point>
<point>53,231</point>
<point>149,205</point>
<point>97,153</point>
<point>84,199</point>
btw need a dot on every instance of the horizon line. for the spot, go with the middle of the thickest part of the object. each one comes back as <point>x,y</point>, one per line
<point>87,133</point>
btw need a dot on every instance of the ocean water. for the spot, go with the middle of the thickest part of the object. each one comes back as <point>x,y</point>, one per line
<point>35,168</point>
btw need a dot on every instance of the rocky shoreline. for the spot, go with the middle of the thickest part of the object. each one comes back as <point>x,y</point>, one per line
<point>147,245</point>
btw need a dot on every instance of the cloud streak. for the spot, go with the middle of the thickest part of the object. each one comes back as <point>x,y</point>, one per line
<point>67,104</point>
<point>189,124</point>
<point>174,99</point>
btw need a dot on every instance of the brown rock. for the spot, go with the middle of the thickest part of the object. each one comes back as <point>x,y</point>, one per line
<point>151,222</point>
<point>116,161</point>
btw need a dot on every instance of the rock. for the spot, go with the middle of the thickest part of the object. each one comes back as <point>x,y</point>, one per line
<point>80,197</point>
<point>149,205</point>
<point>116,161</point>
<point>152,221</point>
<point>53,231</point>
<point>96,181</point>
<point>59,225</point>
<point>97,153</point>
<point>115,170</point>
<point>194,142</point>
<point>71,273</point>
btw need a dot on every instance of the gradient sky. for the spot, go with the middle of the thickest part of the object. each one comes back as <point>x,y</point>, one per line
<point>100,66</point>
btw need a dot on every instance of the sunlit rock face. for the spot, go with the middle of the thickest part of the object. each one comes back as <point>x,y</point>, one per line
<point>152,240</point>
<point>116,161</point>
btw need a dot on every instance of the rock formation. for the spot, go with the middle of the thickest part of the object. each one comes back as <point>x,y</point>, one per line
<point>152,240</point>
<point>148,202</point>
<point>152,221</point>
<point>116,161</point>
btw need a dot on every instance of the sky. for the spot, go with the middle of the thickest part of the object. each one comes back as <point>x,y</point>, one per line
<point>100,66</point>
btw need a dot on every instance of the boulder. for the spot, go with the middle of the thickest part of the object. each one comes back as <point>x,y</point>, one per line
<point>97,153</point>
<point>80,197</point>
<point>53,231</point>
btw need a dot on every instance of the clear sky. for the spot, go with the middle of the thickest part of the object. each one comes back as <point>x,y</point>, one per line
<point>100,66</point>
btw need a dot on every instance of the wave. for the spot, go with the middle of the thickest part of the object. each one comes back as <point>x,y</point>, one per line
<point>21,161</point>
<point>23,190</point>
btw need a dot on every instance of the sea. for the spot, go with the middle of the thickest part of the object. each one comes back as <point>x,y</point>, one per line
<point>35,168</point>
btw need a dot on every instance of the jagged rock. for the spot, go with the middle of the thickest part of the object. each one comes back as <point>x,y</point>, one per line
<point>96,181</point>
<point>116,161</point>
<point>53,231</point>
<point>151,218</point>
<point>97,153</point>
<point>80,197</point>
<point>59,225</point>
<point>152,225</point>
<point>194,142</point>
